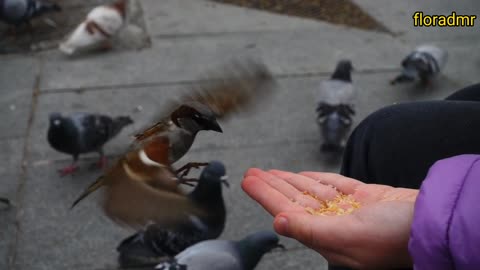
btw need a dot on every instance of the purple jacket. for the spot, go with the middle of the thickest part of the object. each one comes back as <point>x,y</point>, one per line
<point>446,224</point>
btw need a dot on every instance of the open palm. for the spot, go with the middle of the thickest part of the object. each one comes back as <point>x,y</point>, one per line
<point>373,236</point>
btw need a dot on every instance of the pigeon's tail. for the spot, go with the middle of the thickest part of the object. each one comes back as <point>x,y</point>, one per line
<point>149,247</point>
<point>135,252</point>
<point>402,78</point>
<point>43,7</point>
<point>119,123</point>
<point>172,264</point>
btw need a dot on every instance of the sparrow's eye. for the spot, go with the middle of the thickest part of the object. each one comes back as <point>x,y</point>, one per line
<point>196,116</point>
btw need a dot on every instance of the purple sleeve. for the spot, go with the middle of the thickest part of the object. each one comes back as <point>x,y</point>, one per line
<point>446,223</point>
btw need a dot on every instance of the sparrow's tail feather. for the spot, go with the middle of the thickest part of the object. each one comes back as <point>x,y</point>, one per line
<point>96,185</point>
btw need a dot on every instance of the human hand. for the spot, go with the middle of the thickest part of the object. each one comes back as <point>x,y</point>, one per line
<point>374,236</point>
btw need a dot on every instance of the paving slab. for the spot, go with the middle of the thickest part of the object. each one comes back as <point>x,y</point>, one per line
<point>53,237</point>
<point>174,18</point>
<point>11,152</point>
<point>176,60</point>
<point>287,117</point>
<point>397,16</point>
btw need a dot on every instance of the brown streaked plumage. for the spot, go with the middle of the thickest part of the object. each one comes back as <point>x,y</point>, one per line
<point>142,186</point>
<point>231,88</point>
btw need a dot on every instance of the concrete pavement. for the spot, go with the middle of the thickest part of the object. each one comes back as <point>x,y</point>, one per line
<point>187,37</point>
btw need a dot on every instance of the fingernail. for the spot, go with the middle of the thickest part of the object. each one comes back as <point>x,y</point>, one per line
<point>281,225</point>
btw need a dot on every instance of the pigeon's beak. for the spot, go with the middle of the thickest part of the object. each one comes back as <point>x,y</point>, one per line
<point>224,181</point>
<point>215,126</point>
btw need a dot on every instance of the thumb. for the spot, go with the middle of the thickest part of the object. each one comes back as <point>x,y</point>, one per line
<point>296,225</point>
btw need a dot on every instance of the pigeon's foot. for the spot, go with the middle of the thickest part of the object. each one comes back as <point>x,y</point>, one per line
<point>106,46</point>
<point>5,201</point>
<point>102,163</point>
<point>185,170</point>
<point>68,170</point>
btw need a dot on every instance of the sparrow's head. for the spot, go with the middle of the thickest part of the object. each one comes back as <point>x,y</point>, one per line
<point>343,71</point>
<point>56,119</point>
<point>195,116</point>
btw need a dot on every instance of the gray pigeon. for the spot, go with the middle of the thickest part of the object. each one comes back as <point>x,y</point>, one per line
<point>149,246</point>
<point>82,133</point>
<point>335,107</point>
<point>423,64</point>
<point>18,12</point>
<point>224,254</point>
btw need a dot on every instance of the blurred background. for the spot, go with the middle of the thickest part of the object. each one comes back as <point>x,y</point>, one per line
<point>165,46</point>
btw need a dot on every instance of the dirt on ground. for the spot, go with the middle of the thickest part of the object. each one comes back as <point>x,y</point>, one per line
<point>342,12</point>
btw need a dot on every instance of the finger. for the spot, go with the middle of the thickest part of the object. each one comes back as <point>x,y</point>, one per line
<point>313,231</point>
<point>271,199</point>
<point>343,184</point>
<point>307,184</point>
<point>251,172</point>
<point>288,190</point>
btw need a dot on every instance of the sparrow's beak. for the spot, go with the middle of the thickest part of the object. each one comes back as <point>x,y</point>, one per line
<point>215,126</point>
<point>224,181</point>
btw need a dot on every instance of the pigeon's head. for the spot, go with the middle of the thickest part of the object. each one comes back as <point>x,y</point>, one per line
<point>195,116</point>
<point>255,245</point>
<point>264,241</point>
<point>343,71</point>
<point>215,173</point>
<point>56,119</point>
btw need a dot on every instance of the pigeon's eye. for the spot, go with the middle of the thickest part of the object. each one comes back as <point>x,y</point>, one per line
<point>56,122</point>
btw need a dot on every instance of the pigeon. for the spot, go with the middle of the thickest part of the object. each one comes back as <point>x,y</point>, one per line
<point>82,133</point>
<point>224,254</point>
<point>100,25</point>
<point>151,245</point>
<point>18,12</point>
<point>335,107</point>
<point>423,64</point>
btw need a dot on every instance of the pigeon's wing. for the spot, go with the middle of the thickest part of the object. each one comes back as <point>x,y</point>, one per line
<point>135,203</point>
<point>231,88</point>
<point>336,92</point>
<point>94,129</point>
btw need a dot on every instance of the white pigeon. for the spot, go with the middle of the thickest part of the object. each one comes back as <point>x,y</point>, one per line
<point>424,63</point>
<point>101,24</point>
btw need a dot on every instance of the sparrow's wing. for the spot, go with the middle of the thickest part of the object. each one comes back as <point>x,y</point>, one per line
<point>136,204</point>
<point>231,88</point>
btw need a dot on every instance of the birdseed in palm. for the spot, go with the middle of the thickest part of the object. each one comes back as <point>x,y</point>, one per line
<point>342,204</point>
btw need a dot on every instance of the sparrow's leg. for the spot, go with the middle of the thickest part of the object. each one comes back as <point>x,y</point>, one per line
<point>70,169</point>
<point>185,170</point>
<point>187,181</point>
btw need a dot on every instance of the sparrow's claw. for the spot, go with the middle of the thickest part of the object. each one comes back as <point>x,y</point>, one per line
<point>68,170</point>
<point>185,170</point>
<point>187,181</point>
